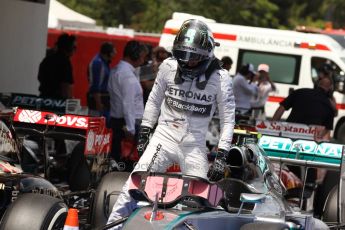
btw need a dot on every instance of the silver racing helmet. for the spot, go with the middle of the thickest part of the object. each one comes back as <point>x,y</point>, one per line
<point>193,42</point>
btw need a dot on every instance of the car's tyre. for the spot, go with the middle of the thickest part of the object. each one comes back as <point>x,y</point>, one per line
<point>106,195</point>
<point>330,211</point>
<point>35,212</point>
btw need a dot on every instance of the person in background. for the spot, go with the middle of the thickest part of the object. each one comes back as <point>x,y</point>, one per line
<point>245,88</point>
<point>146,73</point>
<point>183,119</point>
<point>227,62</point>
<point>310,107</point>
<point>265,86</point>
<point>55,71</point>
<point>327,177</point>
<point>159,54</point>
<point>126,96</point>
<point>98,76</point>
<point>326,71</point>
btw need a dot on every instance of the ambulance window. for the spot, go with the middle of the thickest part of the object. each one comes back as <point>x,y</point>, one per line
<point>283,68</point>
<point>338,76</point>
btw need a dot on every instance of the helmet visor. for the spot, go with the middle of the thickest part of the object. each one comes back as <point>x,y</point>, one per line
<point>188,56</point>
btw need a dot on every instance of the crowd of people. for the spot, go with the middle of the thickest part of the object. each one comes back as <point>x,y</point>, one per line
<point>314,106</point>
<point>120,93</point>
<point>251,88</point>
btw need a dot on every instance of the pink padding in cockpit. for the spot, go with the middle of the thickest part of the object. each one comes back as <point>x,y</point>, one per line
<point>198,188</point>
<point>134,182</point>
<point>154,185</point>
<point>210,192</point>
<point>174,189</point>
<point>215,195</point>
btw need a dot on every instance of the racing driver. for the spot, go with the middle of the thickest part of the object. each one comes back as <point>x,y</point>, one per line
<point>188,88</point>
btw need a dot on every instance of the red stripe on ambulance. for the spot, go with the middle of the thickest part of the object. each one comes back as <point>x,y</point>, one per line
<point>275,99</point>
<point>231,37</point>
<point>170,31</point>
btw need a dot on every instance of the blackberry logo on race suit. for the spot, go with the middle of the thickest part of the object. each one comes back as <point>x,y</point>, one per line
<point>200,102</point>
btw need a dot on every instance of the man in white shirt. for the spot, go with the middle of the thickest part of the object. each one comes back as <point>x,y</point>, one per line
<point>126,96</point>
<point>244,88</point>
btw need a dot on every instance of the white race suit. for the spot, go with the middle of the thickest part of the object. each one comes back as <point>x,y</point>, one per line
<point>184,111</point>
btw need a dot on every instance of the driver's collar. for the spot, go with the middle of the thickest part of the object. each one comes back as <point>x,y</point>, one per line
<point>201,79</point>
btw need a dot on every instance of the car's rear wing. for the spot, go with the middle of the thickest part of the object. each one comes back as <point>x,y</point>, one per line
<point>91,129</point>
<point>297,141</point>
<point>295,144</point>
<point>301,149</point>
<point>309,154</point>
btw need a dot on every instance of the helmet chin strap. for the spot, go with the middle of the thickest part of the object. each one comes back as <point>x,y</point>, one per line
<point>201,81</point>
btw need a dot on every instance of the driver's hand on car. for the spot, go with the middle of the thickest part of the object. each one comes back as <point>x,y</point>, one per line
<point>219,169</point>
<point>143,139</point>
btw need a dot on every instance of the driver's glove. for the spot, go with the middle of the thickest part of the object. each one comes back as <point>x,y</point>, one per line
<point>143,139</point>
<point>219,169</point>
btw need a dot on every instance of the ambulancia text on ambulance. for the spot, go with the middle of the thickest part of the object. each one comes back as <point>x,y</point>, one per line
<point>294,58</point>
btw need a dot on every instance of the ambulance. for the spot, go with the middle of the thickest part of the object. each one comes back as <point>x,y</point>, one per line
<point>294,58</point>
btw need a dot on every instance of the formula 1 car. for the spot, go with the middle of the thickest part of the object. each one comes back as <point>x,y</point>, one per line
<point>253,197</point>
<point>24,192</point>
<point>41,176</point>
<point>293,144</point>
<point>65,147</point>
